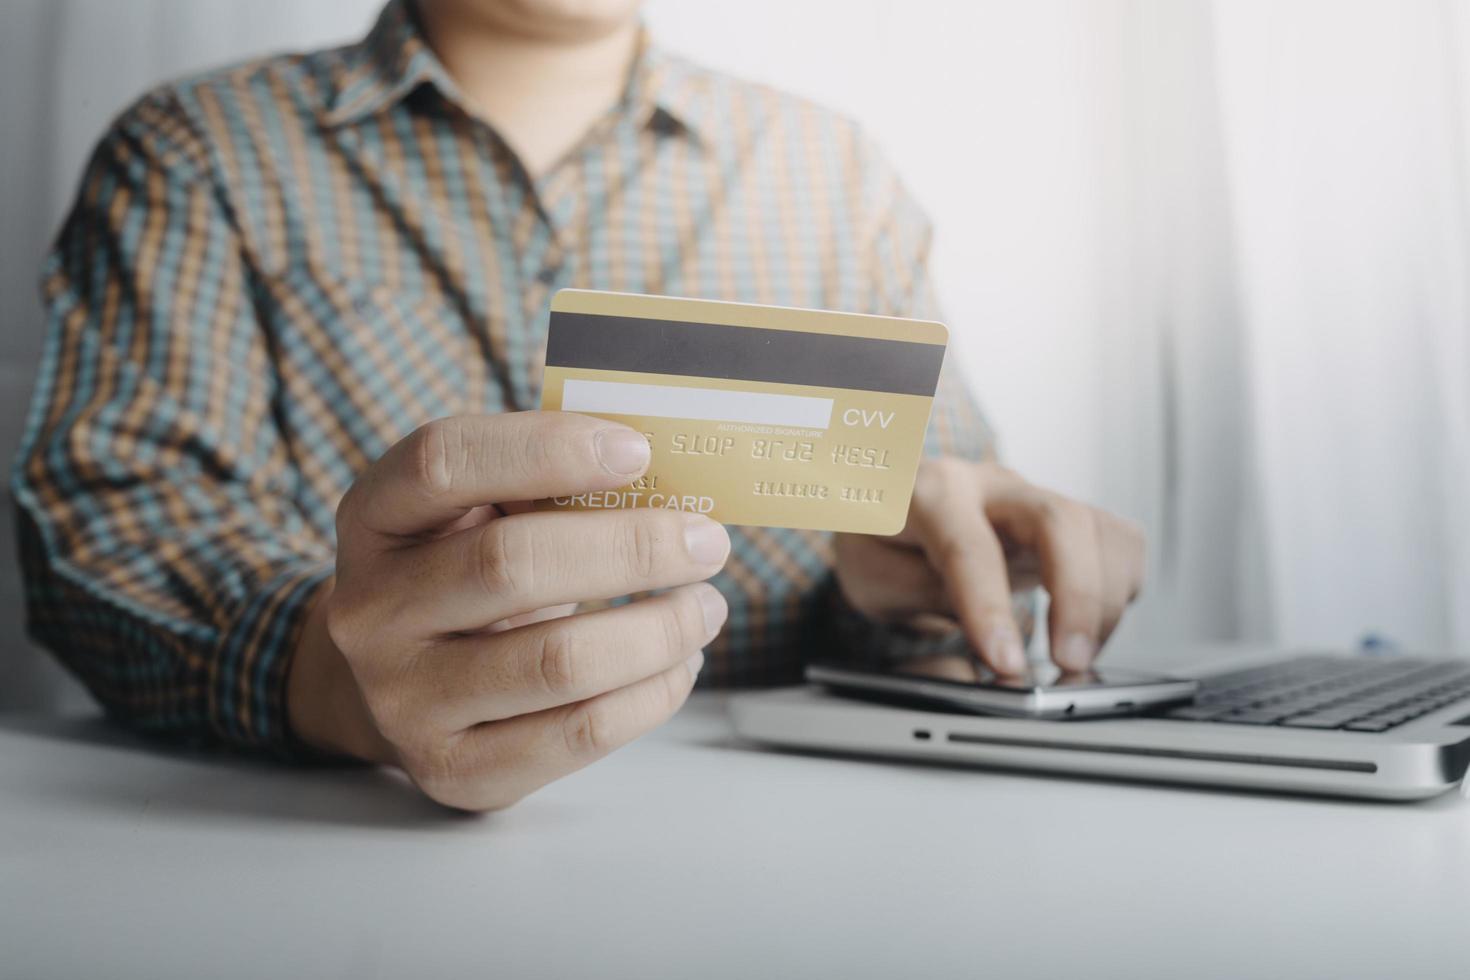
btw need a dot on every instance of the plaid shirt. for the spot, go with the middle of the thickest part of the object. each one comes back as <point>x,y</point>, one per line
<point>275,271</point>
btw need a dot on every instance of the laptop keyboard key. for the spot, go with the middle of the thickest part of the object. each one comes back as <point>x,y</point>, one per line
<point>1197,712</point>
<point>1253,716</point>
<point>1321,719</point>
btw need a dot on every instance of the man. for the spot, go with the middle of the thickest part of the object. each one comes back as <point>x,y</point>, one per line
<point>274,488</point>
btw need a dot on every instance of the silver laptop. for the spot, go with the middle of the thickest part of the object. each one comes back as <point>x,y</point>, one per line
<point>1367,725</point>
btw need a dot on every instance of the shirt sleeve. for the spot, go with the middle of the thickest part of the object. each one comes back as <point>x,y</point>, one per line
<point>165,561</point>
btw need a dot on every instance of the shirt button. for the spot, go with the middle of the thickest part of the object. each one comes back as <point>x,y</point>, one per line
<point>547,275</point>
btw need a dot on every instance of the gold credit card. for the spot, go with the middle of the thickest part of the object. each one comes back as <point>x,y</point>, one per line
<point>756,415</point>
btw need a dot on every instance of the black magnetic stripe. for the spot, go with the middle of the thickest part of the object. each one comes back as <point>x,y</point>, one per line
<point>714,350</point>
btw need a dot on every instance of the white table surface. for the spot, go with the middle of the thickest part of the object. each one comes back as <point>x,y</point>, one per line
<point>688,855</point>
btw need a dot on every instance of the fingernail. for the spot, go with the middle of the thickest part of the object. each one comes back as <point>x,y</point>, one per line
<point>715,610</point>
<point>1004,648</point>
<point>706,541</point>
<point>622,451</point>
<point>1076,652</point>
<point>694,663</point>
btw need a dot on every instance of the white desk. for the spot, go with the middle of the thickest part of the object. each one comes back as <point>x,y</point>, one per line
<point>689,856</point>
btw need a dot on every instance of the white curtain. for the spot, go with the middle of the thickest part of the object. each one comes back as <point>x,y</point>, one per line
<point>1207,262</point>
<point>1346,135</point>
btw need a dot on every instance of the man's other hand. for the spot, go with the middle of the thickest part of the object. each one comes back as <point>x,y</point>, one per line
<point>975,532</point>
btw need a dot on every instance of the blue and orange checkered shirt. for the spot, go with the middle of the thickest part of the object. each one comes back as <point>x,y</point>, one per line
<point>275,271</point>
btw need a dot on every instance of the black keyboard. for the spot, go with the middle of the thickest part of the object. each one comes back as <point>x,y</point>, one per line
<point>1359,694</point>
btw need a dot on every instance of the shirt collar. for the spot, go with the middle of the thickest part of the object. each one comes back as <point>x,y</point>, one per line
<point>384,67</point>
<point>670,88</point>
<point>394,59</point>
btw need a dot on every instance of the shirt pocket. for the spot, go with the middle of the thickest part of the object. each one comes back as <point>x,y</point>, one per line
<point>362,366</point>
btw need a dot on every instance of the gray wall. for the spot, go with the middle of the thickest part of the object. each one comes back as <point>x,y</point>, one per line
<point>28,183</point>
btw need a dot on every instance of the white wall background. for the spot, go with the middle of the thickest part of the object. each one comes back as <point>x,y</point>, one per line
<point>1208,261</point>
